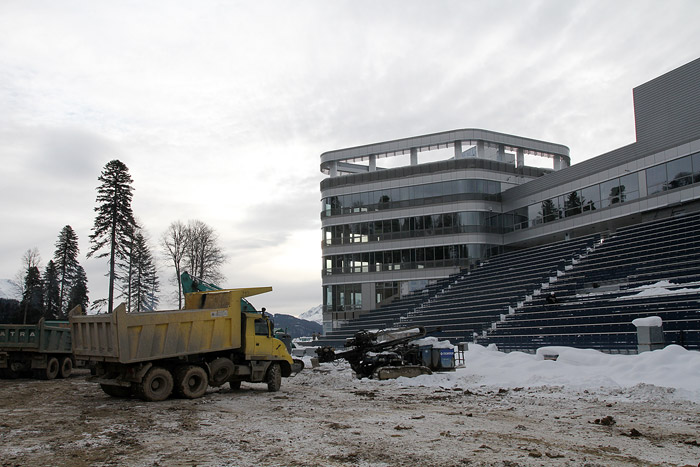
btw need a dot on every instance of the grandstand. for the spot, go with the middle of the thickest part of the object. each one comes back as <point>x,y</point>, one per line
<point>580,293</point>
<point>519,247</point>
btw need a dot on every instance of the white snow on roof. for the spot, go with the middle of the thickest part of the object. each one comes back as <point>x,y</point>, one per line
<point>650,321</point>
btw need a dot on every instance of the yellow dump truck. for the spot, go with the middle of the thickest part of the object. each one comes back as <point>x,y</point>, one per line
<point>218,337</point>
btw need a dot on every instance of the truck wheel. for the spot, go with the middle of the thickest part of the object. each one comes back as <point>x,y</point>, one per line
<point>191,381</point>
<point>52,369</point>
<point>274,378</point>
<point>156,385</point>
<point>116,391</point>
<point>66,367</point>
<point>221,370</point>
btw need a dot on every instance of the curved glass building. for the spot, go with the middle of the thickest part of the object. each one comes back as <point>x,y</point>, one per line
<point>393,220</point>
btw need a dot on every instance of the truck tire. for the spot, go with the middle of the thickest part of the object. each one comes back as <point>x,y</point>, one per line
<point>191,381</point>
<point>274,377</point>
<point>156,385</point>
<point>221,370</point>
<point>116,391</point>
<point>66,367</point>
<point>51,370</point>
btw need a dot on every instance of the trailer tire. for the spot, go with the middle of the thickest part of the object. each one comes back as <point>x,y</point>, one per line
<point>156,385</point>
<point>52,369</point>
<point>221,370</point>
<point>191,381</point>
<point>116,391</point>
<point>274,377</point>
<point>66,367</point>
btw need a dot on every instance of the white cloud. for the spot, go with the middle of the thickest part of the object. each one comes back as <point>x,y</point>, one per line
<point>221,109</point>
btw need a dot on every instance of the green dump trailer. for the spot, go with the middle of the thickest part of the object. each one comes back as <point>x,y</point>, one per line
<point>41,350</point>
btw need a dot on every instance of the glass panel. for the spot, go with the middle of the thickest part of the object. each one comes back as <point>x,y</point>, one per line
<point>680,172</point>
<point>590,198</point>
<point>696,167</point>
<point>534,215</point>
<point>572,204</point>
<point>656,179</point>
<point>629,187</point>
<point>609,193</point>
<point>548,210</point>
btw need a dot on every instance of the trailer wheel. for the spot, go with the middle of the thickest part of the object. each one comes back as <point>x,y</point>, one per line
<point>116,391</point>
<point>51,370</point>
<point>191,381</point>
<point>66,367</point>
<point>221,370</point>
<point>156,385</point>
<point>274,378</point>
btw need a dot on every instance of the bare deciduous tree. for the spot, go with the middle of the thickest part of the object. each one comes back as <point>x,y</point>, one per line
<point>30,259</point>
<point>174,244</point>
<point>203,255</point>
<point>193,247</point>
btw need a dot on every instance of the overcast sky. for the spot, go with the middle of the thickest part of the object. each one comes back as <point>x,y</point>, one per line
<point>222,109</point>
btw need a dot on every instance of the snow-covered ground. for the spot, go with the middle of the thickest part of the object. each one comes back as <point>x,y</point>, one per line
<point>504,410</point>
<point>673,371</point>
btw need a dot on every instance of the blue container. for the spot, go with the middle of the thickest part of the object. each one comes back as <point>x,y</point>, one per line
<point>447,358</point>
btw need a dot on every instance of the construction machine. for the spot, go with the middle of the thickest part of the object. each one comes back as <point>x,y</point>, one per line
<point>389,353</point>
<point>218,337</point>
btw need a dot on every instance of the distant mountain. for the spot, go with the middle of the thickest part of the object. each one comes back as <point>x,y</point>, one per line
<point>315,314</point>
<point>8,289</point>
<point>296,327</point>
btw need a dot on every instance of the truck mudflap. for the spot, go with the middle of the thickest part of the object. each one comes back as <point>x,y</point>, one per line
<point>297,366</point>
<point>109,381</point>
<point>407,371</point>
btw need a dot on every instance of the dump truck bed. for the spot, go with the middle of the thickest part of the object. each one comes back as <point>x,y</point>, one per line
<point>212,323</point>
<point>44,337</point>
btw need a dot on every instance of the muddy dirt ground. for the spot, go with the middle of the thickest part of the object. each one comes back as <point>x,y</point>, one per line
<point>325,417</point>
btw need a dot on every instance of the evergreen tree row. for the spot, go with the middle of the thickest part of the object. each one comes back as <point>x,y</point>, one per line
<point>117,236</point>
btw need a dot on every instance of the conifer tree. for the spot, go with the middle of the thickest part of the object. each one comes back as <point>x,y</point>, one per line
<point>78,294</point>
<point>142,277</point>
<point>33,297</point>
<point>66,260</point>
<point>52,301</point>
<point>114,222</point>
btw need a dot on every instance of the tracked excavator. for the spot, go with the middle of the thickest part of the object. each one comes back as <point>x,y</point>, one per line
<point>385,354</point>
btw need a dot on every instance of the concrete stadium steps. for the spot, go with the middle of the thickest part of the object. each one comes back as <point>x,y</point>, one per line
<point>596,299</point>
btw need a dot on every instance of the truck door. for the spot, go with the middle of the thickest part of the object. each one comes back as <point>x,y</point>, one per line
<point>263,341</point>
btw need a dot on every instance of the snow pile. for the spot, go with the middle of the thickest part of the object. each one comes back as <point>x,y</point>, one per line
<point>650,321</point>
<point>575,369</point>
<point>433,342</point>
<point>658,288</point>
<point>314,314</point>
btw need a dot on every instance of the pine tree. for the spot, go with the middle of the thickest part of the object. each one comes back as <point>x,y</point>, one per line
<point>78,294</point>
<point>52,301</point>
<point>142,276</point>
<point>114,223</point>
<point>33,297</point>
<point>66,260</point>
